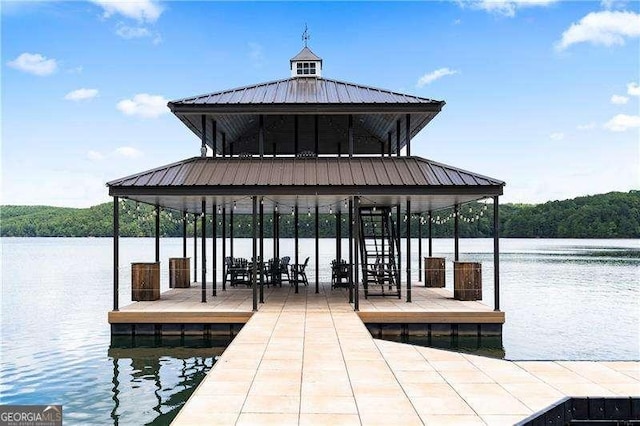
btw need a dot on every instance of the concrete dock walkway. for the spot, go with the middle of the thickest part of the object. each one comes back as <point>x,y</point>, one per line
<point>309,359</point>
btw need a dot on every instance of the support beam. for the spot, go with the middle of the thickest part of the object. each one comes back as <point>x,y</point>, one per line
<point>398,138</point>
<point>204,251</point>
<point>184,234</point>
<point>389,143</point>
<point>214,140</point>
<point>157,214</point>
<point>316,133</point>
<point>261,136</point>
<point>296,136</point>
<point>456,233</point>
<point>254,272</point>
<point>203,145</point>
<point>297,241</point>
<point>496,254</point>
<point>214,249</point>
<point>399,236</point>
<point>317,234</point>
<point>116,251</point>
<point>195,248</point>
<point>224,144</point>
<point>338,235</point>
<point>262,262</point>
<point>274,231</point>
<point>231,231</point>
<point>351,250</point>
<point>408,251</point>
<point>224,248</point>
<point>430,235</point>
<point>420,248</point>
<point>350,135</point>
<point>407,136</point>
<point>356,299</point>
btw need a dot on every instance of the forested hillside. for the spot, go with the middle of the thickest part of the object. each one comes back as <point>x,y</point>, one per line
<point>611,215</point>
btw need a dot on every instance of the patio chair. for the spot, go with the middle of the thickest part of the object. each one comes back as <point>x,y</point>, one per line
<point>284,270</point>
<point>299,272</point>
<point>227,272</point>
<point>340,274</point>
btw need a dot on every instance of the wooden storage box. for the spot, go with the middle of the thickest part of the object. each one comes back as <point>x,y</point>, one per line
<point>179,272</point>
<point>434,272</point>
<point>467,281</point>
<point>145,281</point>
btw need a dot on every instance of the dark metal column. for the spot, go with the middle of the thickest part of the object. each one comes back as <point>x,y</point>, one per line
<point>195,248</point>
<point>316,139</point>
<point>420,248</point>
<point>224,144</point>
<point>254,272</point>
<point>224,249</point>
<point>262,263</point>
<point>408,251</point>
<point>296,137</point>
<point>184,234</point>
<point>338,236</point>
<point>430,238</point>
<point>261,136</point>
<point>356,299</point>
<point>456,234</point>
<point>214,140</point>
<point>277,220</point>
<point>399,243</point>
<point>157,213</point>
<point>214,249</point>
<point>496,254</point>
<point>116,251</point>
<point>407,136</point>
<point>350,135</point>
<point>351,250</point>
<point>389,143</point>
<point>397,138</point>
<point>274,231</point>
<point>231,231</point>
<point>296,235</point>
<point>317,234</point>
<point>204,251</point>
<point>203,146</point>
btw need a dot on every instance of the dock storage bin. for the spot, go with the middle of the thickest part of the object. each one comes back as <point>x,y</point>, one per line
<point>179,272</point>
<point>434,272</point>
<point>467,281</point>
<point>145,281</point>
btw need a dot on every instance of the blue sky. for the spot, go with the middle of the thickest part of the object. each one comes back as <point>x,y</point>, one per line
<point>542,94</point>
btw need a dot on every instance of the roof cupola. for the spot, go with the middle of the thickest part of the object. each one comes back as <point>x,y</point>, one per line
<point>306,63</point>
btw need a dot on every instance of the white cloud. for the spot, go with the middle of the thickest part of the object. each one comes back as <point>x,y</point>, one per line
<point>613,4</point>
<point>588,126</point>
<point>140,10</point>
<point>34,63</point>
<point>435,75</point>
<point>504,7</point>
<point>619,100</point>
<point>128,32</point>
<point>144,105</point>
<point>557,136</point>
<point>81,94</point>
<point>605,28</point>
<point>76,70</point>
<point>128,152</point>
<point>94,155</point>
<point>633,89</point>
<point>623,122</point>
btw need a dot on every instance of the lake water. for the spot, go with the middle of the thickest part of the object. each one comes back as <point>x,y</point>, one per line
<point>564,299</point>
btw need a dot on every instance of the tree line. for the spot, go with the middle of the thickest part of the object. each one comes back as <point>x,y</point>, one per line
<point>611,215</point>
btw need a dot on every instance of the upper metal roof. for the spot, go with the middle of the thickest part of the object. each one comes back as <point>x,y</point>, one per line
<point>305,55</point>
<point>297,91</point>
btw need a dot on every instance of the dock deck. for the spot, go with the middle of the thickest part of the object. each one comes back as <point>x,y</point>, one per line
<point>309,359</point>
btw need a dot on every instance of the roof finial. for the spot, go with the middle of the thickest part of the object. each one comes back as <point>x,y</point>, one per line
<point>305,35</point>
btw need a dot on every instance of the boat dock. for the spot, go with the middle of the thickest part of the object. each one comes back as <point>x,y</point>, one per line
<point>309,359</point>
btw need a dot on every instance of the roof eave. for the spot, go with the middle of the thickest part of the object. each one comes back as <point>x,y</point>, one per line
<point>308,108</point>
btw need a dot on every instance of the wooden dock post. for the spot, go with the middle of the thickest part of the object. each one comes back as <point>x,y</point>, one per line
<point>467,281</point>
<point>179,272</point>
<point>145,281</point>
<point>434,268</point>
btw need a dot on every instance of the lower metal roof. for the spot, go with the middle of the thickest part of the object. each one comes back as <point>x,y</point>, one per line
<point>306,182</point>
